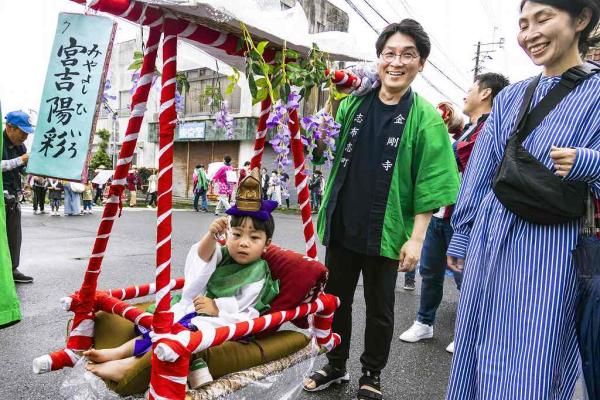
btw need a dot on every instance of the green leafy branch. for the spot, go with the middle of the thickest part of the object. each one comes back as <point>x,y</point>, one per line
<point>289,68</point>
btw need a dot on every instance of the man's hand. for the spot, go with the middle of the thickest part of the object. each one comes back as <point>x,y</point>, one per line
<point>455,264</point>
<point>409,255</point>
<point>25,158</point>
<point>563,159</point>
<point>368,79</point>
<point>206,306</point>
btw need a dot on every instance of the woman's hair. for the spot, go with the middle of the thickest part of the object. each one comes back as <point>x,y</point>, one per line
<point>408,27</point>
<point>268,227</point>
<point>590,36</point>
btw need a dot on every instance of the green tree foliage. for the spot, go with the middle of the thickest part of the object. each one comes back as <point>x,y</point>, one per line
<point>101,156</point>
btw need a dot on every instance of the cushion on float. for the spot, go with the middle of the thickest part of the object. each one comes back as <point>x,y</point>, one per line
<point>301,279</point>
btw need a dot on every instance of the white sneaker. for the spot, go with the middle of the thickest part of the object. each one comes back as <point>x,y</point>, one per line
<point>416,332</point>
<point>450,348</point>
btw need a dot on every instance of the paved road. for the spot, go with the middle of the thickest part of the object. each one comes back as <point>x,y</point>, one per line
<point>55,252</point>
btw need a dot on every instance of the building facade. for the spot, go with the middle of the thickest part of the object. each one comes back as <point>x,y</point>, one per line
<point>197,138</point>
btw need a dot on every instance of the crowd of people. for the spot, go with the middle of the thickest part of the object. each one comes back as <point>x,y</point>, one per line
<point>223,182</point>
<point>440,195</point>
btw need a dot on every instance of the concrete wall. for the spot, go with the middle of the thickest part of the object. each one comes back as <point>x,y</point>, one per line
<point>324,16</point>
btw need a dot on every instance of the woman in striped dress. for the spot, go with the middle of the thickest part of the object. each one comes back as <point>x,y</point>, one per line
<point>515,329</point>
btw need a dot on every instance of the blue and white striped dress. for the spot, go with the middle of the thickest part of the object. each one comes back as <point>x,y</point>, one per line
<point>515,328</point>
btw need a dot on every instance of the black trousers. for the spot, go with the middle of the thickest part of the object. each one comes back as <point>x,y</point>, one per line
<point>39,197</point>
<point>379,279</point>
<point>98,195</point>
<point>13,231</point>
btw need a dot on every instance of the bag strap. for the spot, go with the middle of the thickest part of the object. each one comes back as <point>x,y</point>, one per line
<point>589,227</point>
<point>569,81</point>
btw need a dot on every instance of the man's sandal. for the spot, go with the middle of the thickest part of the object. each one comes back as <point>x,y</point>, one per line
<point>325,378</point>
<point>369,387</point>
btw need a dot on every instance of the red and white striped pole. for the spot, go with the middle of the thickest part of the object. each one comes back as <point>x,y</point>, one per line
<point>261,133</point>
<point>167,379</point>
<point>133,292</point>
<point>342,78</point>
<point>301,182</point>
<point>323,309</point>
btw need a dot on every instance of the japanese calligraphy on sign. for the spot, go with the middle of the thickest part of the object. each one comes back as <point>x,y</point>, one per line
<point>70,102</point>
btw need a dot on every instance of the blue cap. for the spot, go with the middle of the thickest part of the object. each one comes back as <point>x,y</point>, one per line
<point>21,120</point>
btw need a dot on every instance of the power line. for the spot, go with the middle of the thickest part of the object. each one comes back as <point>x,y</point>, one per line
<point>362,16</point>
<point>429,61</point>
<point>376,12</point>
<point>439,46</point>
<point>437,89</point>
<point>377,31</point>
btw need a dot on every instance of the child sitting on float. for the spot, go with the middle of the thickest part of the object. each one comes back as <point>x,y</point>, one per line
<point>223,284</point>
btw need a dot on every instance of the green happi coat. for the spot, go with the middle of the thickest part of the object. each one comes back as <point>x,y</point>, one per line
<point>425,175</point>
<point>9,302</point>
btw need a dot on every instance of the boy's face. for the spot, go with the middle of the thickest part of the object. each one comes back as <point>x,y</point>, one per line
<point>245,244</point>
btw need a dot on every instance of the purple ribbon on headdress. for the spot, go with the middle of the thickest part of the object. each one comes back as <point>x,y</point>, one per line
<point>266,207</point>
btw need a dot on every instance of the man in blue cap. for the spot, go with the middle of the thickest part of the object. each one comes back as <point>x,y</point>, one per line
<point>14,159</point>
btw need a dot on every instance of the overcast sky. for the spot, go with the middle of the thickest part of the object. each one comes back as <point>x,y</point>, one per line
<point>27,30</point>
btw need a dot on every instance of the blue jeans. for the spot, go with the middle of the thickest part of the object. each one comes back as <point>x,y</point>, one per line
<point>202,196</point>
<point>315,200</point>
<point>433,268</point>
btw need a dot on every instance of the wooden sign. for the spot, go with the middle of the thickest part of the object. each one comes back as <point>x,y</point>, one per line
<point>72,96</point>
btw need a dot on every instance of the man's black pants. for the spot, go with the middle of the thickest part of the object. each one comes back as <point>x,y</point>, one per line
<point>379,279</point>
<point>98,196</point>
<point>13,230</point>
<point>39,198</point>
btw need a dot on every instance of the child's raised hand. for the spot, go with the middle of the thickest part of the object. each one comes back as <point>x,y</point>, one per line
<point>205,305</point>
<point>219,225</point>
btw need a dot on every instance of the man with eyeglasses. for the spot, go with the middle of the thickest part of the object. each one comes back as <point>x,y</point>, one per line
<point>393,166</point>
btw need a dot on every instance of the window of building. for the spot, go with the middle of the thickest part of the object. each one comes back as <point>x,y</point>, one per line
<point>199,97</point>
<point>124,103</point>
<point>320,27</point>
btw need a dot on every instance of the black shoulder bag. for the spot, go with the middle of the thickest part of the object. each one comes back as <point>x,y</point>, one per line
<point>522,183</point>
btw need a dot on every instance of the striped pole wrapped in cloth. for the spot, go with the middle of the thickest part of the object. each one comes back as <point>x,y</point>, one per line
<point>261,133</point>
<point>167,380</point>
<point>193,342</point>
<point>301,182</point>
<point>133,292</point>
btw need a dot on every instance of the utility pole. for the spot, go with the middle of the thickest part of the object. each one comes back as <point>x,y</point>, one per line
<point>482,54</point>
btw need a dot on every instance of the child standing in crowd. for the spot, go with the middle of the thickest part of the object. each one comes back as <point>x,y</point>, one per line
<point>54,194</point>
<point>274,191</point>
<point>87,198</point>
<point>315,185</point>
<point>209,298</point>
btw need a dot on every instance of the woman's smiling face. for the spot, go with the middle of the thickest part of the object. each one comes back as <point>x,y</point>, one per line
<point>547,34</point>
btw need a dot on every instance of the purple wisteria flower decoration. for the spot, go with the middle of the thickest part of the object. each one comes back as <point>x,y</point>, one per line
<point>179,104</point>
<point>317,127</point>
<point>224,120</point>
<point>278,120</point>
<point>106,94</point>
<point>135,79</point>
